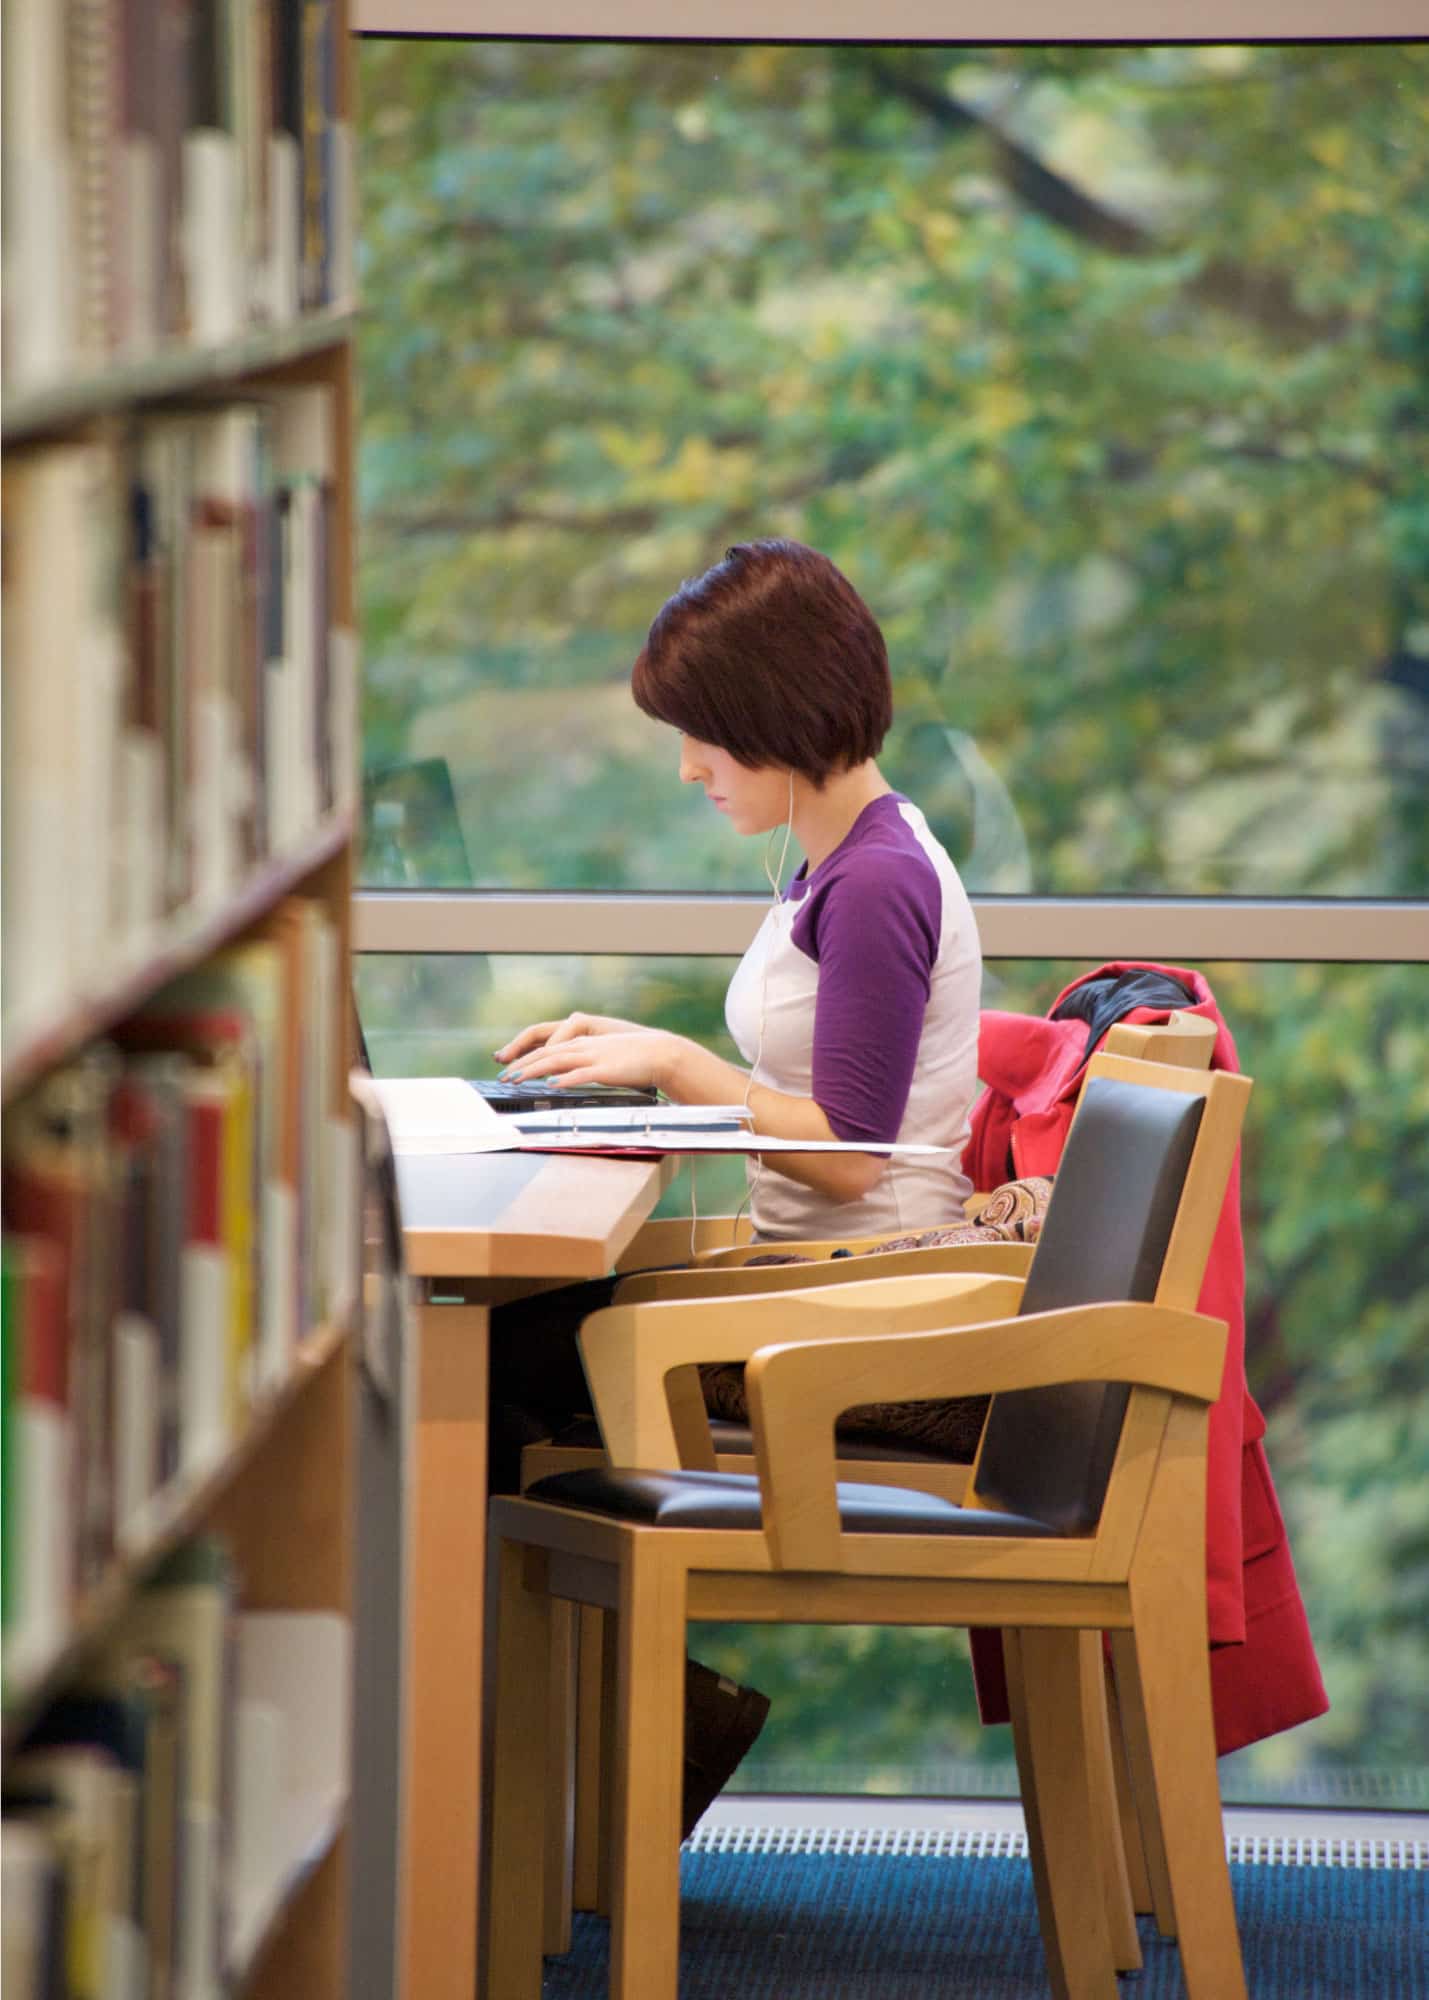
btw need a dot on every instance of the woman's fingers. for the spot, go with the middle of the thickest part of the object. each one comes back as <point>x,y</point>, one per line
<point>541,1034</point>
<point>574,1024</point>
<point>556,1058</point>
<point>632,1058</point>
<point>529,1038</point>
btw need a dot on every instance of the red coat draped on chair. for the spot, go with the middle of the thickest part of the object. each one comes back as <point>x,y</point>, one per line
<point>1264,1674</point>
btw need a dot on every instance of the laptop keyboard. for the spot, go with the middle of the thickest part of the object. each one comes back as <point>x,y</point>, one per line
<point>537,1096</point>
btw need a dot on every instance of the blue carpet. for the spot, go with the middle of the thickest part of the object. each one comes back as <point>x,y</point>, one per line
<point>911,1927</point>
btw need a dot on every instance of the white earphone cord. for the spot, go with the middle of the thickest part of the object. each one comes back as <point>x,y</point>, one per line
<point>775,878</point>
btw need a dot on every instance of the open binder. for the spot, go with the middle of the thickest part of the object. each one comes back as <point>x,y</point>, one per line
<point>445,1115</point>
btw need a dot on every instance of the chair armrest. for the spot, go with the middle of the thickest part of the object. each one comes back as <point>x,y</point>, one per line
<point>797,1392</point>
<point>727,1257</point>
<point>724,1256</point>
<point>712,1281</point>
<point>630,1351</point>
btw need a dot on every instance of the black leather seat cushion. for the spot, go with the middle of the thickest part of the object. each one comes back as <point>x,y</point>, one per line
<point>731,1500</point>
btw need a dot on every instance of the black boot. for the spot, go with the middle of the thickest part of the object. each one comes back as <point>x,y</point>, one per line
<point>722,1719</point>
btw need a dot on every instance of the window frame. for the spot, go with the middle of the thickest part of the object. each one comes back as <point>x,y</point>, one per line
<point>894,20</point>
<point>1287,930</point>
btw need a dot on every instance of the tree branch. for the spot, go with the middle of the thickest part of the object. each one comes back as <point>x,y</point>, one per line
<point>473,521</point>
<point>1266,297</point>
<point>619,520</point>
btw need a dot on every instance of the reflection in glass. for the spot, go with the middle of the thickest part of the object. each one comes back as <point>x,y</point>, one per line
<point>1335,1188</point>
<point>411,829</point>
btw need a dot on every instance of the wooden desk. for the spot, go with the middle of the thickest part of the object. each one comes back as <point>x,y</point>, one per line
<point>478,1229</point>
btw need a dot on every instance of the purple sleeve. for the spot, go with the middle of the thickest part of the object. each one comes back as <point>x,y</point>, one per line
<point>873,930</point>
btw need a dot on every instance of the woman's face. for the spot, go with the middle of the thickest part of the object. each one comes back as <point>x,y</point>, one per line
<point>752,801</point>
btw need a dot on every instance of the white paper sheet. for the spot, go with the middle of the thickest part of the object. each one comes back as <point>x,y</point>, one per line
<point>671,1139</point>
<point>440,1114</point>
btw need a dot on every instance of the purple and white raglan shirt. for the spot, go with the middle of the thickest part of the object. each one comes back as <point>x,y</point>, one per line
<point>861,990</point>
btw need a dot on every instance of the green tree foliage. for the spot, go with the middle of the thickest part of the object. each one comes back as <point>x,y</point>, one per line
<point>1104,372</point>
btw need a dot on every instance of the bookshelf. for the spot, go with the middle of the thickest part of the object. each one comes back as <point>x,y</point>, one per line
<point>171,372</point>
<point>181,1162</point>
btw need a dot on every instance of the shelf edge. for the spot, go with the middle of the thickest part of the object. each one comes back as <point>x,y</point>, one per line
<point>154,378</point>
<point>86,1019</point>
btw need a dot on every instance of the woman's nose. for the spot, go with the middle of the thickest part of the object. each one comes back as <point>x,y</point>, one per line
<point>692,769</point>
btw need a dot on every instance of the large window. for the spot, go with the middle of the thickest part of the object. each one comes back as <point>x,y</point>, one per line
<point>1104,372</point>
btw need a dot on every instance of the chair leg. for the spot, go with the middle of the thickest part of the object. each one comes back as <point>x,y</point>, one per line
<point>1101,1779</point>
<point>609,1704</point>
<point>649,1758</point>
<point>1055,1725</point>
<point>1180,1744</point>
<point>588,1866</point>
<point>515,1845</point>
<point>1103,1806</point>
<point>560,1753</point>
<point>1136,1799</point>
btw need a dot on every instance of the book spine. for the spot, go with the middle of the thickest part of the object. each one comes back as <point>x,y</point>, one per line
<point>38,289</point>
<point>43,1495</point>
<point>32,1891</point>
<point>318,60</point>
<point>206,1341</point>
<point>45,571</point>
<point>140,172</point>
<point>89,75</point>
<point>238,1223</point>
<point>173,103</point>
<point>10,1339</point>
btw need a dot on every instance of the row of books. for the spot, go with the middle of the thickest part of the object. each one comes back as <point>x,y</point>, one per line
<point>156,1810</point>
<point>179,702</point>
<point>180,1207</point>
<point>175,171</point>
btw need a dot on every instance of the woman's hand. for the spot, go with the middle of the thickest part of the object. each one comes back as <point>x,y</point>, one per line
<point>542,1033</point>
<point>613,1052</point>
<point>592,1048</point>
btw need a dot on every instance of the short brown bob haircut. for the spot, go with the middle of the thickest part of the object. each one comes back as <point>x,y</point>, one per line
<point>773,656</point>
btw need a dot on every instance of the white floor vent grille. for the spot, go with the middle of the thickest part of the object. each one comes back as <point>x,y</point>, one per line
<point>1291,1852</point>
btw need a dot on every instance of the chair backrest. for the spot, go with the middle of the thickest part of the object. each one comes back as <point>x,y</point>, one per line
<point>1187,1039</point>
<point>1118,1189</point>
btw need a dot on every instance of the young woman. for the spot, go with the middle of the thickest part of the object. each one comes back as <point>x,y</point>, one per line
<point>856,1007</point>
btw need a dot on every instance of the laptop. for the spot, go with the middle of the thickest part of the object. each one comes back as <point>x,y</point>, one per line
<point>416,804</point>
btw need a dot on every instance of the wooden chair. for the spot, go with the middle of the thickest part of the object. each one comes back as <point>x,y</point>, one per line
<point>1184,1039</point>
<point>1086,1513</point>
